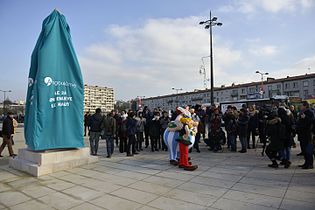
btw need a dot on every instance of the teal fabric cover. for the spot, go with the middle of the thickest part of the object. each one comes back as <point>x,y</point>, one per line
<point>54,103</point>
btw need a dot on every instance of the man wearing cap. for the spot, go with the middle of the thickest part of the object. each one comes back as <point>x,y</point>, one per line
<point>7,133</point>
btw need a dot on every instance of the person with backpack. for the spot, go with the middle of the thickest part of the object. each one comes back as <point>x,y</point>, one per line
<point>109,132</point>
<point>95,124</point>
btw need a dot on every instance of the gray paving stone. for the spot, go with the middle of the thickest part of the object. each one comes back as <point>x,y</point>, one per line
<point>275,191</point>
<point>147,208</point>
<point>86,206</point>
<point>150,187</point>
<point>123,181</point>
<point>133,175</point>
<point>301,196</point>
<point>22,182</point>
<point>253,198</point>
<point>263,182</point>
<point>302,187</point>
<point>60,201</point>
<point>57,184</point>
<point>101,186</point>
<point>168,203</point>
<point>33,204</point>
<point>11,198</point>
<point>227,204</point>
<point>167,182</point>
<point>228,177</point>
<point>75,179</point>
<point>4,175</point>
<point>212,182</point>
<point>115,203</point>
<point>135,195</point>
<point>176,175</point>
<point>297,205</point>
<point>82,193</point>
<point>192,197</point>
<point>203,189</point>
<point>36,191</point>
<point>4,187</point>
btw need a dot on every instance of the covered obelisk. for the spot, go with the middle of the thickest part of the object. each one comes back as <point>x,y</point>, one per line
<point>54,103</point>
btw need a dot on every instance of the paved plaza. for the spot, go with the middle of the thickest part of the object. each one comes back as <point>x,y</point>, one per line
<point>147,181</point>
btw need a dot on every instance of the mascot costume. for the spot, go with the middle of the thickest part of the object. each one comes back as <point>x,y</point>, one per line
<point>178,130</point>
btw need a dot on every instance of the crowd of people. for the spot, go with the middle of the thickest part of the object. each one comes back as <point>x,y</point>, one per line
<point>275,127</point>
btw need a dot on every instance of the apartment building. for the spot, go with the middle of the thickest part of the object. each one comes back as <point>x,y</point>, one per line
<point>302,86</point>
<point>98,97</point>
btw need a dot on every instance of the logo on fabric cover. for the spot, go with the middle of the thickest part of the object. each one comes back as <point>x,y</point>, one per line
<point>48,81</point>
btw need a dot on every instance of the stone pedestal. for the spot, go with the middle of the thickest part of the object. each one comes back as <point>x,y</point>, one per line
<point>38,163</point>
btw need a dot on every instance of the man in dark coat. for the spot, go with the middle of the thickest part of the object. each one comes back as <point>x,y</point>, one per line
<point>95,124</point>
<point>164,121</point>
<point>155,131</point>
<point>286,120</point>
<point>109,129</point>
<point>86,122</point>
<point>304,127</point>
<point>252,126</point>
<point>7,133</point>
<point>131,131</point>
<point>242,126</point>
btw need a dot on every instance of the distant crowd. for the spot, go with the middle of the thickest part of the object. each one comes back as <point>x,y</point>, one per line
<point>275,126</point>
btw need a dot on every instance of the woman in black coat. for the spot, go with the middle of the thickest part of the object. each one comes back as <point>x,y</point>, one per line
<point>276,132</point>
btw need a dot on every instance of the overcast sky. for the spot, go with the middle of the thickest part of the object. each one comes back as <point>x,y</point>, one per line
<point>144,48</point>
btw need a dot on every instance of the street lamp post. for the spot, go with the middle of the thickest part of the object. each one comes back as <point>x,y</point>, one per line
<point>177,89</point>
<point>4,92</point>
<point>262,74</point>
<point>209,23</point>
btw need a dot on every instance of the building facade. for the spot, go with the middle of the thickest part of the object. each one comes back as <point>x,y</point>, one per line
<point>98,97</point>
<point>302,86</point>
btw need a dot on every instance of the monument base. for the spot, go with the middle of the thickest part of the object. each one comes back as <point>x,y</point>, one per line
<point>38,163</point>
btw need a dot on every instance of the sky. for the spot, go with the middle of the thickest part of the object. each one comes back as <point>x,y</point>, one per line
<point>146,48</point>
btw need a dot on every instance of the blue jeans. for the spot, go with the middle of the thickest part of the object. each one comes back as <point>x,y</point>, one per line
<point>243,140</point>
<point>285,153</point>
<point>109,144</point>
<point>94,139</point>
<point>309,149</point>
<point>232,141</point>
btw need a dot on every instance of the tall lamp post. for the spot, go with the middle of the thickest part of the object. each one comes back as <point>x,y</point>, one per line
<point>4,92</point>
<point>208,25</point>
<point>262,74</point>
<point>177,89</point>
